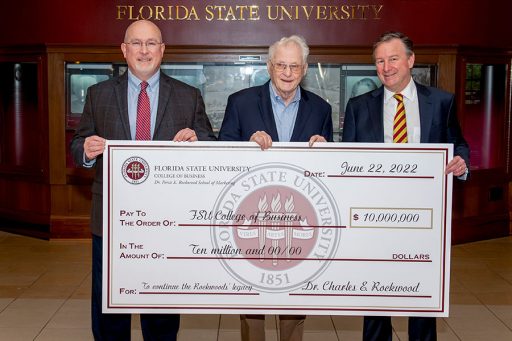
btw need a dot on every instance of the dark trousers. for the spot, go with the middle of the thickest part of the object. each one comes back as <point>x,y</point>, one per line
<point>110,327</point>
<point>378,328</point>
<point>291,327</point>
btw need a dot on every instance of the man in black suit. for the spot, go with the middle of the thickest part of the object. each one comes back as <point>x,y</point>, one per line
<point>279,110</point>
<point>430,118</point>
<point>176,112</point>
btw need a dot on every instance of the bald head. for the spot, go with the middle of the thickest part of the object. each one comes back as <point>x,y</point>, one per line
<point>144,25</point>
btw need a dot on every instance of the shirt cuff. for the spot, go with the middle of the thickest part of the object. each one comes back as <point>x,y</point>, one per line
<point>465,175</point>
<point>88,163</point>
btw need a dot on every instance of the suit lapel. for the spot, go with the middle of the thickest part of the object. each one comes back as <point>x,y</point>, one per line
<point>121,91</point>
<point>165,94</point>
<point>376,113</point>
<point>267,114</point>
<point>302,114</point>
<point>426,111</point>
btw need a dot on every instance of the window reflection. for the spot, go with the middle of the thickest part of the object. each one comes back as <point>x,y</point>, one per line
<point>335,83</point>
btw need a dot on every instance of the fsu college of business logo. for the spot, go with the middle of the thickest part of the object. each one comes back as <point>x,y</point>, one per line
<point>282,223</point>
<point>135,170</point>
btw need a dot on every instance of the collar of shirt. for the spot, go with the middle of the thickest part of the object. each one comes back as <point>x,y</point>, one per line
<point>278,99</point>
<point>409,92</point>
<point>133,97</point>
<point>134,82</point>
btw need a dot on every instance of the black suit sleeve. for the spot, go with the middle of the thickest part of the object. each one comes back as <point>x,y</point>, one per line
<point>327,130</point>
<point>349,124</point>
<point>230,129</point>
<point>201,124</point>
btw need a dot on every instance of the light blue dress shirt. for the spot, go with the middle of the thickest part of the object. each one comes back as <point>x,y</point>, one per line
<point>284,116</point>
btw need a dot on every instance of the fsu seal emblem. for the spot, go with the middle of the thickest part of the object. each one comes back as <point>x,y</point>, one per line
<point>135,170</point>
<point>283,222</point>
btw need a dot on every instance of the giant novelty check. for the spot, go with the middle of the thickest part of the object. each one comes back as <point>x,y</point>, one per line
<point>213,227</point>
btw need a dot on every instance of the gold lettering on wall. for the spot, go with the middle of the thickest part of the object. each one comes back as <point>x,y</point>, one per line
<point>251,12</point>
<point>377,10</point>
<point>307,11</point>
<point>177,12</point>
<point>231,13</point>
<point>321,12</point>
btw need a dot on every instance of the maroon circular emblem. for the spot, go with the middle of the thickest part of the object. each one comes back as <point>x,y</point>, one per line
<point>135,170</point>
<point>281,221</point>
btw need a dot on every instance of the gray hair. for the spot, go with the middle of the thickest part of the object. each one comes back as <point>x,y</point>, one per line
<point>295,39</point>
<point>387,36</point>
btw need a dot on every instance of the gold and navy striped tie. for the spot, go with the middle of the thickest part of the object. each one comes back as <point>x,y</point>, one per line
<point>399,123</point>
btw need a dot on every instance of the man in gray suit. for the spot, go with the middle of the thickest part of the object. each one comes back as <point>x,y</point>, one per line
<point>176,112</point>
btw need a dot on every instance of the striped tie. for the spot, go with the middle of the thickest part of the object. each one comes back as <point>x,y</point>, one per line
<point>143,129</point>
<point>399,123</point>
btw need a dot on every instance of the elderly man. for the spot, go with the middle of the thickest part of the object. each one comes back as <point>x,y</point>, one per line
<point>279,110</point>
<point>142,104</point>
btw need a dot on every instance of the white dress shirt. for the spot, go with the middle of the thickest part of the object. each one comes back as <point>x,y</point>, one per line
<point>412,113</point>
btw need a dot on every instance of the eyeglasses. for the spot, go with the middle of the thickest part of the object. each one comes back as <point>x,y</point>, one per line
<point>281,67</point>
<point>150,44</point>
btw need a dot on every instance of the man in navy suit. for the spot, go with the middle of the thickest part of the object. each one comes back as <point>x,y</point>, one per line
<point>430,118</point>
<point>279,110</point>
<point>110,112</point>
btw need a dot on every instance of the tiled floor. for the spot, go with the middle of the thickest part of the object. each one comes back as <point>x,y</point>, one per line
<point>45,289</point>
